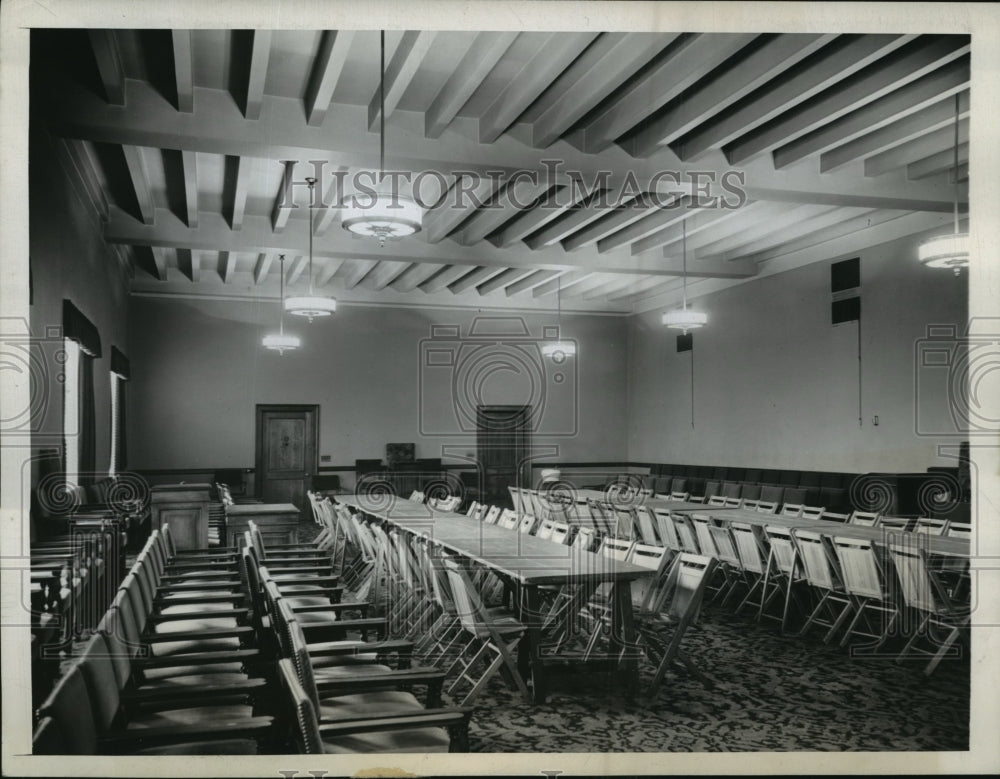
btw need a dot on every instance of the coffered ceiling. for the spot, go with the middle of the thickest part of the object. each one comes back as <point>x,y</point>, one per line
<point>621,142</point>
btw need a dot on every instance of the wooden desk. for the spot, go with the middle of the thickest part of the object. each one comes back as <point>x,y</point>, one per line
<point>527,561</point>
<point>278,522</point>
<point>185,508</point>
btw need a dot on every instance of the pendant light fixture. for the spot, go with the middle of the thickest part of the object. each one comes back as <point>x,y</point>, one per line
<point>559,349</point>
<point>310,305</point>
<point>386,215</point>
<point>685,319</point>
<point>281,342</point>
<point>950,250</point>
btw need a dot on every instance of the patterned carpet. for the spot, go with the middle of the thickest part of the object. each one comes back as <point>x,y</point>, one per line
<point>771,693</point>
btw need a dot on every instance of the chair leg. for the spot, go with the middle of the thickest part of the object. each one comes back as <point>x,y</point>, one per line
<point>943,650</point>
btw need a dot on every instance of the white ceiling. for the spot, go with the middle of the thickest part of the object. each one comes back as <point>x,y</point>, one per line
<point>843,141</point>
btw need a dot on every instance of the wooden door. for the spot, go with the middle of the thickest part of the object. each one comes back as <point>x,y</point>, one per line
<point>503,440</point>
<point>286,454</point>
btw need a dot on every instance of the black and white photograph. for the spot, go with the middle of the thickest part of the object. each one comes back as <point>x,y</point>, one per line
<point>499,387</point>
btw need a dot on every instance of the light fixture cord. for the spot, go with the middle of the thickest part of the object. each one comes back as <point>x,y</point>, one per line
<point>559,305</point>
<point>381,107</point>
<point>684,261</point>
<point>311,185</point>
<point>281,299</point>
<point>956,163</point>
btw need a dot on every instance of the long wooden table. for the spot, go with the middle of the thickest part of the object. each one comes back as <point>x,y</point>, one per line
<point>936,545</point>
<point>526,561</point>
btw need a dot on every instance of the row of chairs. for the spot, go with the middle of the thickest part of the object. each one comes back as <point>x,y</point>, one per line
<point>836,578</point>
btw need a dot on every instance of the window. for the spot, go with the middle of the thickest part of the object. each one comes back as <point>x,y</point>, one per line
<point>83,346</point>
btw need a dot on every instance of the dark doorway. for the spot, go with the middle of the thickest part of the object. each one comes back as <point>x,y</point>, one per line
<point>503,440</point>
<point>286,453</point>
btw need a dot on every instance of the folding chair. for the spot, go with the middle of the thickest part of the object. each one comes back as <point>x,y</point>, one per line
<point>751,546</point>
<point>492,515</point>
<point>783,566</point>
<point>929,526</point>
<point>866,587</point>
<point>864,518</point>
<point>686,535</point>
<point>791,510</point>
<point>645,524</point>
<point>822,572</point>
<point>832,516</point>
<point>767,506</point>
<point>894,523</point>
<point>812,512</point>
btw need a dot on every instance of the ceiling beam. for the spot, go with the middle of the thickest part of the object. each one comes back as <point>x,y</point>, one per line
<point>502,279</point>
<point>601,69</point>
<point>330,266</point>
<point>109,64</point>
<point>774,223</point>
<point>614,285</point>
<point>484,53</point>
<point>502,208</point>
<point>195,260</point>
<point>399,72</point>
<point>561,282</point>
<point>299,264</point>
<point>551,58</point>
<point>846,227</point>
<point>937,163</point>
<point>443,278</point>
<point>263,265</point>
<point>159,262</point>
<point>463,199</point>
<point>183,69</point>
<point>612,220</point>
<point>771,59</point>
<point>703,219</point>
<point>189,162</point>
<point>326,70</point>
<point>227,264</point>
<point>687,60</point>
<point>473,279</point>
<point>709,269</point>
<point>931,90</point>
<point>139,176</point>
<point>800,228</point>
<point>848,55</point>
<point>414,275</point>
<point>80,157</point>
<point>237,197</point>
<point>584,212</point>
<point>533,219</point>
<point>917,149</point>
<point>639,287</point>
<point>356,271</point>
<point>928,120</point>
<point>650,223</point>
<point>220,128</point>
<point>260,53</point>
<point>853,93</point>
<point>382,275</point>
<point>533,279</point>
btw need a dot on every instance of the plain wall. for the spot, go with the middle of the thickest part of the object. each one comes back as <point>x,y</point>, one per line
<point>199,370</point>
<point>776,385</point>
<point>69,259</point>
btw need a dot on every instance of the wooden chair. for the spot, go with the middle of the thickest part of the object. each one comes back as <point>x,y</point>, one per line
<point>492,515</point>
<point>812,512</point>
<point>490,640</point>
<point>791,510</point>
<point>929,526</point>
<point>822,572</point>
<point>716,500</point>
<point>767,507</point>
<point>900,524</point>
<point>662,634</point>
<point>925,592</point>
<point>507,519</point>
<point>832,516</point>
<point>865,585</point>
<point>783,567</point>
<point>683,496</point>
<point>864,518</point>
<point>734,503</point>
<point>751,547</point>
<point>686,535</point>
<point>645,529</point>
<point>750,505</point>
<point>959,530</point>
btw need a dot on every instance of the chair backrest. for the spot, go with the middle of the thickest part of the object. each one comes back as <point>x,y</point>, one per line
<point>417,496</point>
<point>819,564</point>
<point>859,566</point>
<point>680,496</point>
<point>473,508</point>
<point>449,504</point>
<point>615,548</point>
<point>812,512</point>
<point>102,682</point>
<point>782,548</point>
<point>772,493</point>
<point>515,498</point>
<point>686,581</point>
<point>716,500</point>
<point>732,502</point>
<point>471,612</point>
<point>920,585</point>
<point>712,488</point>
<point>526,523</point>
<point>749,504</point>
<point>69,706</point>
<point>725,548</point>
<point>654,558</point>
<point>960,529</point>
<point>508,519</point>
<point>929,526</point>
<point>545,529</point>
<point>791,510</point>
<point>301,710</point>
<point>894,523</point>
<point>832,516</point>
<point>686,535</point>
<point>647,525</point>
<point>560,532</point>
<point>584,538</point>
<point>864,518</point>
<point>767,507</point>
<point>749,547</point>
<point>702,524</point>
<point>492,515</point>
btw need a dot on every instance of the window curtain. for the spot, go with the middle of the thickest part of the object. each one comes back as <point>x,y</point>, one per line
<point>79,328</point>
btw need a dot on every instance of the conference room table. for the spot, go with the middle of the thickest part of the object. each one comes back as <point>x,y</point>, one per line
<point>529,564</point>
<point>948,546</point>
<point>581,497</point>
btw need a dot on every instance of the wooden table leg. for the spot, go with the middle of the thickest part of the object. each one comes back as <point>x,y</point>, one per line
<point>529,656</point>
<point>623,633</point>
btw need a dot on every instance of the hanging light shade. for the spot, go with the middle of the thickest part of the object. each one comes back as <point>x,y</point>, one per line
<point>386,215</point>
<point>685,318</point>
<point>951,250</point>
<point>281,341</point>
<point>310,305</point>
<point>559,349</point>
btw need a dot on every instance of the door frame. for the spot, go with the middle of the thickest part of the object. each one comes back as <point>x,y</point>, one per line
<point>258,444</point>
<point>522,468</point>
